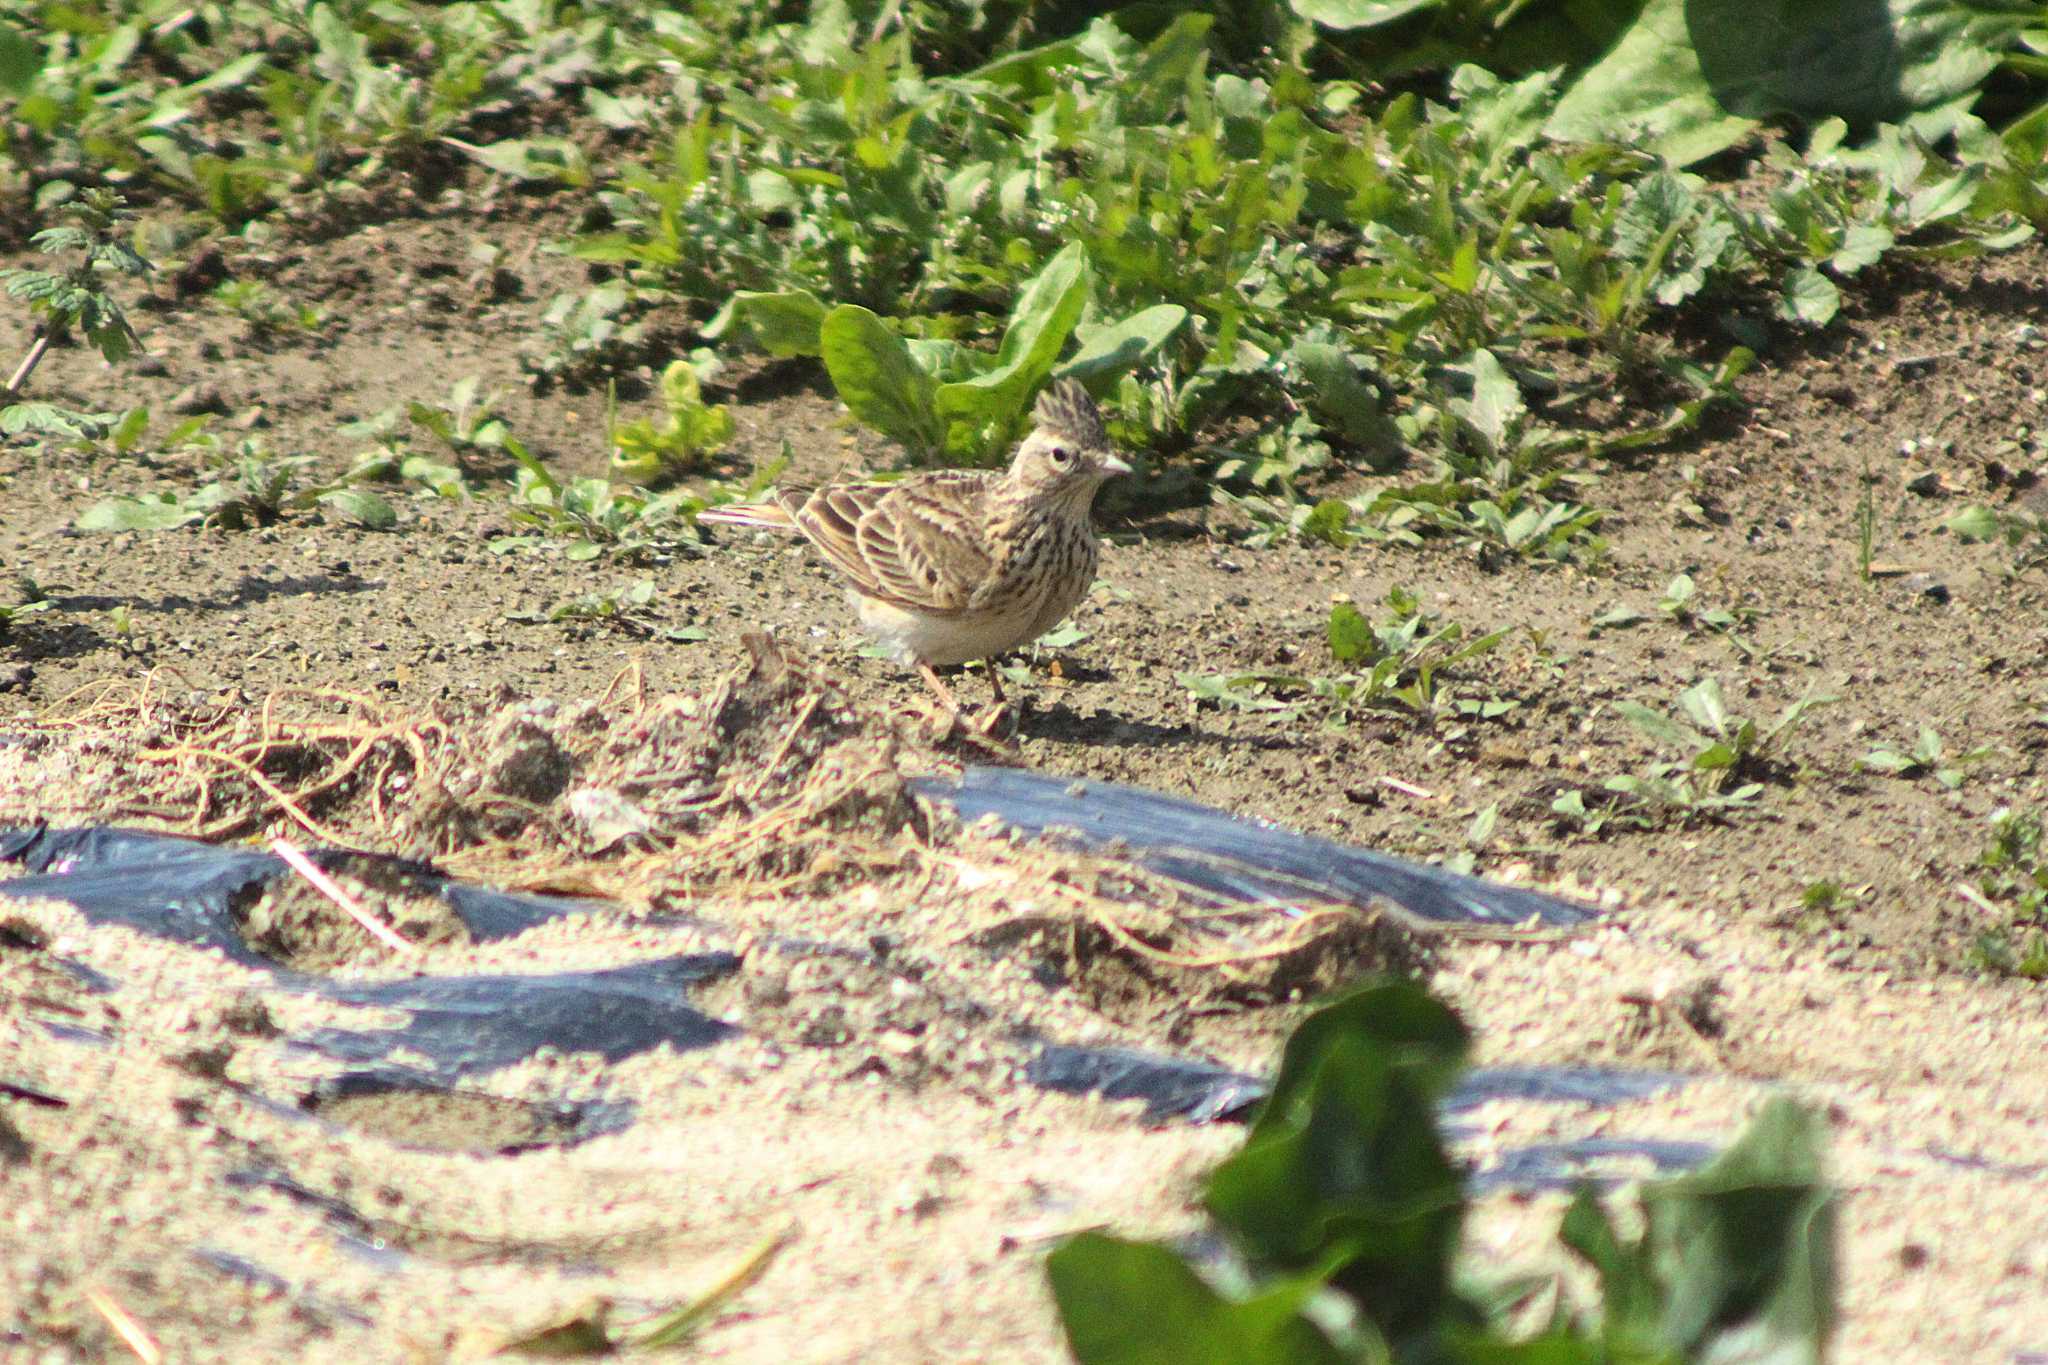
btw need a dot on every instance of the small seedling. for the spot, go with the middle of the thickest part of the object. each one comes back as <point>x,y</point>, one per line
<point>1402,663</point>
<point>264,310</point>
<point>30,599</point>
<point>1928,755</point>
<point>2015,882</point>
<point>648,452</point>
<point>1717,744</point>
<point>74,299</point>
<point>628,608</point>
<point>2024,532</point>
<point>255,487</point>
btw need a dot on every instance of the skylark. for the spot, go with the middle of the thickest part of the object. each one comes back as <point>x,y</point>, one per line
<point>955,565</point>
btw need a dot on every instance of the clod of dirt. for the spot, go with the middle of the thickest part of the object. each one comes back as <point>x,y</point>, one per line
<point>295,925</point>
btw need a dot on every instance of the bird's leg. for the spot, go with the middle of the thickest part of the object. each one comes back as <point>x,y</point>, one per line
<point>999,711</point>
<point>945,693</point>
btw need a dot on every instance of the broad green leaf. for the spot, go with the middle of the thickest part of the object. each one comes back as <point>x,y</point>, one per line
<point>1496,399</point>
<point>1696,75</point>
<point>1660,727</point>
<point>1136,1303</point>
<point>785,323</point>
<point>545,160</point>
<point>1350,14</point>
<point>1120,347</point>
<point>1041,322</point>
<point>150,512</point>
<point>876,378</point>
<point>1350,634</point>
<point>21,61</point>
<point>1342,397</point>
<point>1704,706</point>
<point>1975,522</point>
<point>1746,1246</point>
<point>363,508</point>
<point>1344,1164</point>
<point>1810,297</point>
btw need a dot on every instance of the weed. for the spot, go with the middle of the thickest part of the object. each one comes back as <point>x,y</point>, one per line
<point>29,600</point>
<point>1346,1210</point>
<point>74,299</point>
<point>1927,756</point>
<point>1722,759</point>
<point>1402,663</point>
<point>628,608</point>
<point>595,516</point>
<point>2014,882</point>
<point>263,310</point>
<point>2026,533</point>
<point>691,429</point>
<point>252,487</point>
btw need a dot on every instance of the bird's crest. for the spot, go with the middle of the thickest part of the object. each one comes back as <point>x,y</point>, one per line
<point>1065,407</point>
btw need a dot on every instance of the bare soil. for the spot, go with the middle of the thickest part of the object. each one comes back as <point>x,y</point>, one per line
<point>869,1114</point>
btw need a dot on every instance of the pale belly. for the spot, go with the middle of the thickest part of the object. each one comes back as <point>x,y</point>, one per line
<point>945,640</point>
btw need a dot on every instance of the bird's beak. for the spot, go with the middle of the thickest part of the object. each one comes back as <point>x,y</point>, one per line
<point>1112,466</point>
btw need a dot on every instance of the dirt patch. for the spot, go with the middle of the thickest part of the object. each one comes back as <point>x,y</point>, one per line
<point>405,692</point>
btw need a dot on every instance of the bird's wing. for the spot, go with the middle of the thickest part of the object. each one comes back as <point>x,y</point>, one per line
<point>917,544</point>
<point>771,516</point>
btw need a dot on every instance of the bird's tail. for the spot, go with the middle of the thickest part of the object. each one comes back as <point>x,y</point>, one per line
<point>770,515</point>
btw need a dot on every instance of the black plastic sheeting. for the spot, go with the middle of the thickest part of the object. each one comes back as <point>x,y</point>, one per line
<point>182,890</point>
<point>1235,859</point>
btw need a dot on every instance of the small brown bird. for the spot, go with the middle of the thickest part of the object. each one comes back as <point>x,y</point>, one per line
<point>956,565</point>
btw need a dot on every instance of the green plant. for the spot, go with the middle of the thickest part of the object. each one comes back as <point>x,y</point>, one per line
<point>1866,522</point>
<point>263,309</point>
<point>595,516</point>
<point>1723,757</point>
<point>30,599</point>
<point>690,430</point>
<point>1722,746</point>
<point>252,487</point>
<point>628,608</point>
<point>1346,1210</point>
<point>1401,663</point>
<point>1928,755</point>
<point>2024,532</point>
<point>73,299</point>
<point>2014,883</point>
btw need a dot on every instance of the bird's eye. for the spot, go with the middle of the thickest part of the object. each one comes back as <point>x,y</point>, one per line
<point>1061,457</point>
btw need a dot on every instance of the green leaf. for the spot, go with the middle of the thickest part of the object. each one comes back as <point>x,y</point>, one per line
<point>785,323</point>
<point>150,512</point>
<point>1695,76</point>
<point>1496,400</point>
<point>1975,523</point>
<point>1351,14</point>
<point>363,508</point>
<point>1659,727</point>
<point>1040,324</point>
<point>1344,1165</point>
<point>544,160</point>
<point>1121,347</point>
<point>1341,396</point>
<point>21,61</point>
<point>1747,1246</point>
<point>1810,297</point>
<point>1135,1303</point>
<point>877,380</point>
<point>1350,634</point>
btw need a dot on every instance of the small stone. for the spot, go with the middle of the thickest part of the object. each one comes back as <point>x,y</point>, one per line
<point>1928,586</point>
<point>197,398</point>
<point>1928,485</point>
